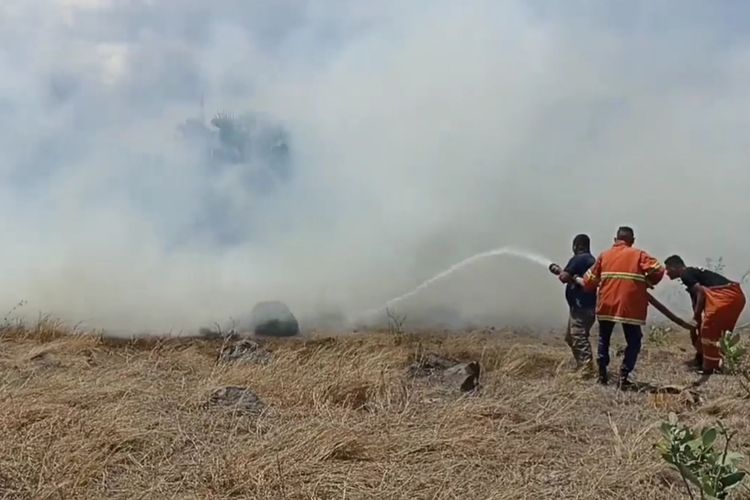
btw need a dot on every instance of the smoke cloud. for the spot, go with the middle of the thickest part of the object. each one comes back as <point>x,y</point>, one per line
<point>383,142</point>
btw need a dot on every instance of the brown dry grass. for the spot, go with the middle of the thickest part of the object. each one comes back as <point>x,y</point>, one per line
<point>82,417</point>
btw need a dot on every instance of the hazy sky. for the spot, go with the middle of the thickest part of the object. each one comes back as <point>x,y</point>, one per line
<point>421,132</point>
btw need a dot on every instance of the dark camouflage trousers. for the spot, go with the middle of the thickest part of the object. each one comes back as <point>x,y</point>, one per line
<point>577,335</point>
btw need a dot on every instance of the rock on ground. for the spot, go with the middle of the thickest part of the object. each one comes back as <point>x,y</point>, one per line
<point>453,373</point>
<point>237,398</point>
<point>429,364</point>
<point>465,375</point>
<point>245,352</point>
<point>273,319</point>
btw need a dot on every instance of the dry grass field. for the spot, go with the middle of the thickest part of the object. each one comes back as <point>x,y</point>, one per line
<point>86,417</point>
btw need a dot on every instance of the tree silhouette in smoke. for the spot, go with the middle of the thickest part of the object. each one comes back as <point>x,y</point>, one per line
<point>234,138</point>
<point>247,158</point>
<point>246,139</point>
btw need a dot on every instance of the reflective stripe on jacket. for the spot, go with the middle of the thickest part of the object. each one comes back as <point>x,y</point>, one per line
<point>623,275</point>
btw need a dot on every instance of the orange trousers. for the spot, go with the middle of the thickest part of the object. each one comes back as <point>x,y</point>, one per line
<point>724,306</point>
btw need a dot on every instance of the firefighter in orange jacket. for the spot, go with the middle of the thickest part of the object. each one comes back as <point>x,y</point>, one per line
<point>623,274</point>
<point>717,306</point>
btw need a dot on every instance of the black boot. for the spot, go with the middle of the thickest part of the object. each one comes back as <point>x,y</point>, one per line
<point>624,383</point>
<point>603,376</point>
<point>696,362</point>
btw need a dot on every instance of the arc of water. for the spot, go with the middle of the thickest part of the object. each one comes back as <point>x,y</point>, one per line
<point>511,251</point>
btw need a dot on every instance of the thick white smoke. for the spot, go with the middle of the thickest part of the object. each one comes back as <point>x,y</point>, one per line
<point>419,134</point>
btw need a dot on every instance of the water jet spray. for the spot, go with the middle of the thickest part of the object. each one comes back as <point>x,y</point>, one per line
<point>510,251</point>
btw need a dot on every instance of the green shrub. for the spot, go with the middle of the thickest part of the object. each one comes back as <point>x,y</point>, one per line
<point>712,472</point>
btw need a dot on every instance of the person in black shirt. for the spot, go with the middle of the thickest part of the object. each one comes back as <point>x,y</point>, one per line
<point>582,304</point>
<point>717,306</point>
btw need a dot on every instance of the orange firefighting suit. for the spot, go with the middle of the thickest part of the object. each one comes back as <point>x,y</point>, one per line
<point>724,305</point>
<point>623,275</point>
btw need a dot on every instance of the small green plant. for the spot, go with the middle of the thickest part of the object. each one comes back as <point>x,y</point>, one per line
<point>735,359</point>
<point>710,472</point>
<point>659,335</point>
<point>733,353</point>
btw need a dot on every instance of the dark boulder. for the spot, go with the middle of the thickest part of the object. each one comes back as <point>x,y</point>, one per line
<point>452,373</point>
<point>273,319</point>
<point>245,352</point>
<point>239,399</point>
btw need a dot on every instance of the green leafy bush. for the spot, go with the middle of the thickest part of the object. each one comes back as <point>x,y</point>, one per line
<point>735,359</point>
<point>713,473</point>
<point>734,354</point>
